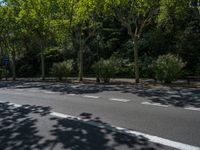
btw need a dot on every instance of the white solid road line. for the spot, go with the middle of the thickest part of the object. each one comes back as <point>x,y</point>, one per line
<point>119,100</point>
<point>90,96</point>
<point>154,139</point>
<point>154,104</point>
<point>166,142</point>
<point>192,108</point>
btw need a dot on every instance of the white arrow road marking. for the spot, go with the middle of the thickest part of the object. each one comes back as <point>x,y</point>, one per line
<point>154,104</point>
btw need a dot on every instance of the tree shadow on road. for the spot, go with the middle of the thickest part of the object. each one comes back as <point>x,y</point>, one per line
<point>18,130</point>
<point>178,97</point>
<point>74,134</point>
<point>175,96</point>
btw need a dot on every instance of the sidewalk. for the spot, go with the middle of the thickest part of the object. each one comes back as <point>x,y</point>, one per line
<point>115,81</point>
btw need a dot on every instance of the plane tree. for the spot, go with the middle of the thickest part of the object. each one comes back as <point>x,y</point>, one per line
<point>84,24</point>
<point>10,30</point>
<point>134,15</point>
<point>36,17</point>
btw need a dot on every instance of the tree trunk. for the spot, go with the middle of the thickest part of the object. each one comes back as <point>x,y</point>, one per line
<point>43,66</point>
<point>81,62</point>
<point>14,65</point>
<point>136,62</point>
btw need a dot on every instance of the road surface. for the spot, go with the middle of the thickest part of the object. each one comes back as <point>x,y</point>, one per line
<point>50,116</point>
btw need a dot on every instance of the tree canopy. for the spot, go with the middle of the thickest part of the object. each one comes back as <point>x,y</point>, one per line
<point>37,33</point>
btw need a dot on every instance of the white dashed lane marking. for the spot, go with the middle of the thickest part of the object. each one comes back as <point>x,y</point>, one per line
<point>15,105</point>
<point>192,108</point>
<point>90,96</point>
<point>161,105</point>
<point>60,115</point>
<point>119,100</point>
<point>154,104</point>
<point>71,94</point>
<point>50,92</point>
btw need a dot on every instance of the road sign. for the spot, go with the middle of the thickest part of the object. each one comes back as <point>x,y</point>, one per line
<point>6,60</point>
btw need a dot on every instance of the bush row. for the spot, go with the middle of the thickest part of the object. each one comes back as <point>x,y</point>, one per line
<point>165,68</point>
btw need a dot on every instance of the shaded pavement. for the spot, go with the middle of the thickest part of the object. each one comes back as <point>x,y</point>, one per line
<point>176,96</point>
<point>32,128</point>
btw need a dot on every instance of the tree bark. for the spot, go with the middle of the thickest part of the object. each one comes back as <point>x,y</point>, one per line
<point>81,62</point>
<point>14,65</point>
<point>136,60</point>
<point>135,38</point>
<point>43,66</point>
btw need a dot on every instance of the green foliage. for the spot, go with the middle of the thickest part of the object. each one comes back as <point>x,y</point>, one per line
<point>188,44</point>
<point>106,69</point>
<point>62,69</point>
<point>146,66</point>
<point>63,29</point>
<point>173,9</point>
<point>2,72</point>
<point>125,68</point>
<point>168,68</point>
<point>197,70</point>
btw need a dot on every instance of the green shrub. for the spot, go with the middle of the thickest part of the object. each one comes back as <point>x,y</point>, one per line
<point>197,70</point>
<point>126,68</point>
<point>146,67</point>
<point>106,69</point>
<point>168,68</point>
<point>2,73</point>
<point>62,69</point>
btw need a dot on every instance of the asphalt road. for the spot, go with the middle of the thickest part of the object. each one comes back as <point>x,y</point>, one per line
<point>152,114</point>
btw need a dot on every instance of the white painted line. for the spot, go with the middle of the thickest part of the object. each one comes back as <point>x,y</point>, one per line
<point>15,105</point>
<point>49,92</point>
<point>18,90</point>
<point>60,115</point>
<point>34,91</point>
<point>17,93</point>
<point>75,86</point>
<point>166,142</point>
<point>154,104</point>
<point>192,108</point>
<point>71,94</point>
<point>119,100</point>
<point>152,138</point>
<point>90,96</point>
